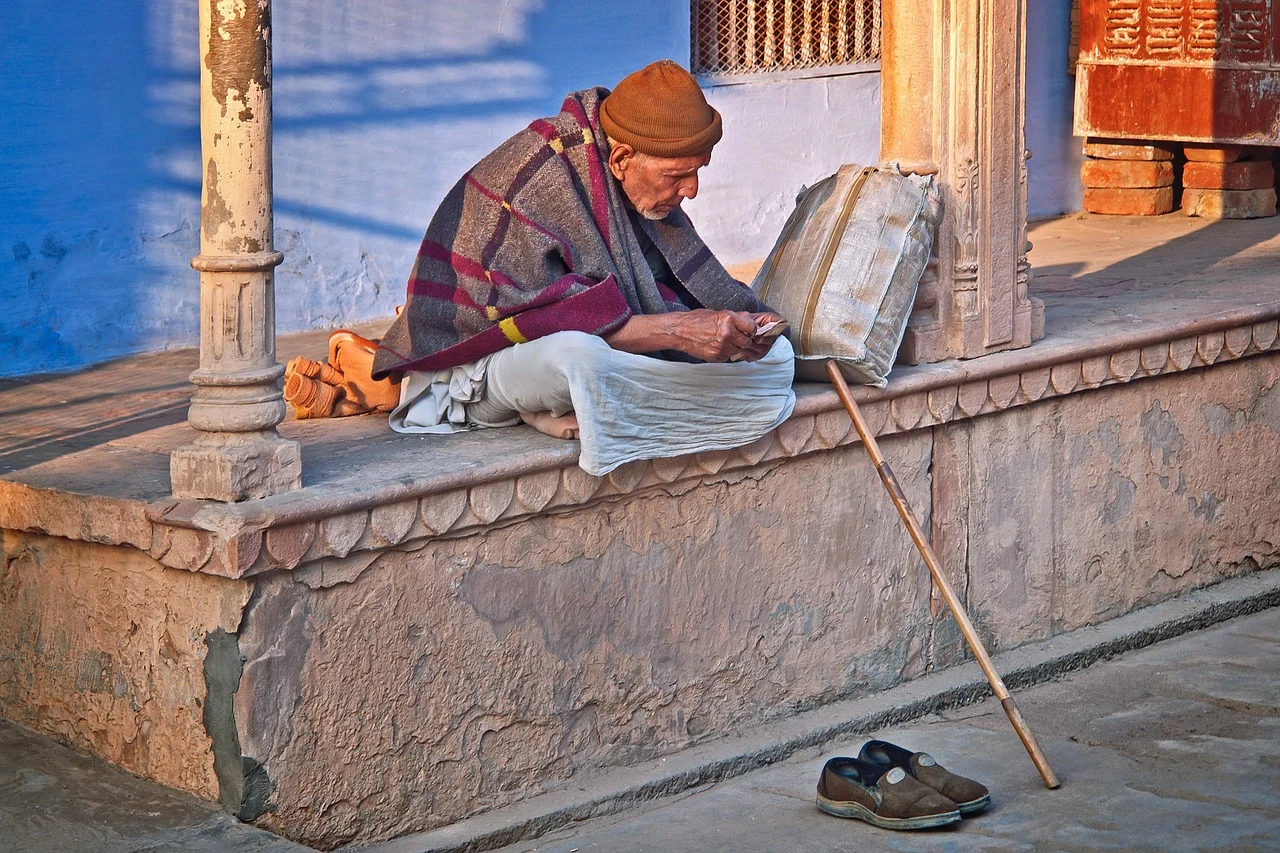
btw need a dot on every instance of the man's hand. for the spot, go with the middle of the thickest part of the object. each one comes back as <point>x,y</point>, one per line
<point>702,333</point>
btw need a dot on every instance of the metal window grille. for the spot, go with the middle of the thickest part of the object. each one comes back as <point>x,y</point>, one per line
<point>760,36</point>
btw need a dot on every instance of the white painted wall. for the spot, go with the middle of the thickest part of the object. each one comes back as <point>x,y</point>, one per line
<point>778,137</point>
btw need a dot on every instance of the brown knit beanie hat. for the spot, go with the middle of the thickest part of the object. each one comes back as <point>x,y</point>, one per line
<point>660,110</point>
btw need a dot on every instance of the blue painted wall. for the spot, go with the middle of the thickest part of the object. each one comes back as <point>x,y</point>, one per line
<point>379,107</point>
<point>1053,173</point>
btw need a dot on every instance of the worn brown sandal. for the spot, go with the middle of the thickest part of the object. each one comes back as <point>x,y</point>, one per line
<point>313,370</point>
<point>968,795</point>
<point>885,797</point>
<point>309,397</point>
<point>352,357</point>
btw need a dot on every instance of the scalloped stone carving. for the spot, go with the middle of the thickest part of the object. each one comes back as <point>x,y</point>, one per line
<point>1209,346</point>
<point>942,403</point>
<point>1034,384</point>
<point>793,435</point>
<point>535,491</point>
<point>390,523</point>
<point>1182,353</point>
<point>1124,365</point>
<point>1237,341</point>
<point>440,512</point>
<point>1003,390</point>
<point>250,550</point>
<point>1265,334</point>
<point>971,397</point>
<point>287,545</point>
<point>1154,358</point>
<point>832,427</point>
<point>1065,378</point>
<point>490,500</point>
<point>908,411</point>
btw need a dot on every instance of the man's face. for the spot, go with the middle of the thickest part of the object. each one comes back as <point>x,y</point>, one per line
<point>656,185</point>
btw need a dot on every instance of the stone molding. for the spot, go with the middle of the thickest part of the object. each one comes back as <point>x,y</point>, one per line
<point>323,528</point>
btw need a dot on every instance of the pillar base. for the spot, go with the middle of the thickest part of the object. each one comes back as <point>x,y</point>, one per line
<point>928,341</point>
<point>235,466</point>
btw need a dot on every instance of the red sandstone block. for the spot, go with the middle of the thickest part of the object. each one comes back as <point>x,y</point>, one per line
<point>1202,153</point>
<point>1129,202</point>
<point>1242,175</point>
<point>1101,174</point>
<point>1229,204</point>
<point>1106,150</point>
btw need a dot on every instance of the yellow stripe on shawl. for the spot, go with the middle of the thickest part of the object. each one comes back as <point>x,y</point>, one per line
<point>508,327</point>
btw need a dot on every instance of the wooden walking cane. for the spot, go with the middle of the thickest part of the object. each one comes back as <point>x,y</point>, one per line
<point>935,569</point>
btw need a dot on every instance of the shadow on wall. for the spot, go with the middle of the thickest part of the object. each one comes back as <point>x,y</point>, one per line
<point>379,108</point>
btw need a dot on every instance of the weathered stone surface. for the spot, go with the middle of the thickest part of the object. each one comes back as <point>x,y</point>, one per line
<point>1229,204</point>
<point>235,467</point>
<point>1101,174</point>
<point>1242,175</point>
<point>1129,202</point>
<point>1202,153</point>
<point>1104,150</point>
<point>1137,492</point>
<point>104,649</point>
<point>476,671</point>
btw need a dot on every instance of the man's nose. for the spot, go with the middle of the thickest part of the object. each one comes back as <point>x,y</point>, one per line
<point>689,187</point>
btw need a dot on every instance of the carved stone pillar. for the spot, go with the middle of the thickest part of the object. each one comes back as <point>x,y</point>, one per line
<point>953,105</point>
<point>237,403</point>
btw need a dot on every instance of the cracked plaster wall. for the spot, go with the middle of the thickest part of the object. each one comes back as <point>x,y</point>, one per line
<point>104,649</point>
<point>476,671</point>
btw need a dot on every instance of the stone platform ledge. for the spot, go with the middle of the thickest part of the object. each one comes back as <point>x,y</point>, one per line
<point>624,788</point>
<point>395,495</point>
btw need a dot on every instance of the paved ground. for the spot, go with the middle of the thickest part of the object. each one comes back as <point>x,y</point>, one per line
<point>56,800</point>
<point>1173,748</point>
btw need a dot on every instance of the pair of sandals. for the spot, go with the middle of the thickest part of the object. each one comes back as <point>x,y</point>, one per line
<point>894,788</point>
<point>342,386</point>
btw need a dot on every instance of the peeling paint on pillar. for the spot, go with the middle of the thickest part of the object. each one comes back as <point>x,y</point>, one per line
<point>214,213</point>
<point>239,50</point>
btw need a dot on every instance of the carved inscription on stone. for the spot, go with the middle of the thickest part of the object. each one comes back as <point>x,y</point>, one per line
<point>1188,30</point>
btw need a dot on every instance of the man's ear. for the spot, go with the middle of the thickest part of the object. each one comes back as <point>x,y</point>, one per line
<point>620,156</point>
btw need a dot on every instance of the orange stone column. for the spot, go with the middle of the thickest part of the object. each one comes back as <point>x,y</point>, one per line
<point>953,100</point>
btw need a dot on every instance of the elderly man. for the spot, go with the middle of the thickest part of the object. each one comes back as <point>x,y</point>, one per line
<point>561,284</point>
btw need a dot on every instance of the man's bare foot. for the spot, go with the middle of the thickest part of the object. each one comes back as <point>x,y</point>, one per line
<point>565,426</point>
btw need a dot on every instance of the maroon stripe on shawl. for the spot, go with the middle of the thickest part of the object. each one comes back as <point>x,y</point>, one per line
<point>566,252</point>
<point>599,195</point>
<point>598,310</point>
<point>443,293</point>
<point>667,294</point>
<point>466,266</point>
<point>543,128</point>
<point>691,266</point>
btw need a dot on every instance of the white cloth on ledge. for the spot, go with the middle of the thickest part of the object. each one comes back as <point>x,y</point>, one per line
<point>629,407</point>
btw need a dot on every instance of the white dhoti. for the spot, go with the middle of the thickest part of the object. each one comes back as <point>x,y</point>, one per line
<point>628,406</point>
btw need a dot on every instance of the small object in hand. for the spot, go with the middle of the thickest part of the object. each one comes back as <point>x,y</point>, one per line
<point>770,330</point>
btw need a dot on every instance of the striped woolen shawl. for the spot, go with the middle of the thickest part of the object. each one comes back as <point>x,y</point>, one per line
<point>535,239</point>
